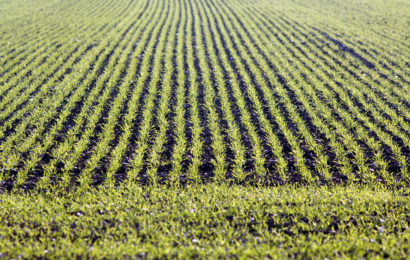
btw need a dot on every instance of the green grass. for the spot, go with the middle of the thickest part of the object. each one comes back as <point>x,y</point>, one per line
<point>207,221</point>
<point>211,128</point>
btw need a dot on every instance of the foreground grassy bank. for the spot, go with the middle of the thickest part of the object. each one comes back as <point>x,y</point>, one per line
<point>207,221</point>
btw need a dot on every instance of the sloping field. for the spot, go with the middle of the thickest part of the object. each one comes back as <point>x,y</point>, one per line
<point>156,97</point>
<point>106,92</point>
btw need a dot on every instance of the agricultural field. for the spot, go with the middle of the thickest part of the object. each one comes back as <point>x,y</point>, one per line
<point>204,128</point>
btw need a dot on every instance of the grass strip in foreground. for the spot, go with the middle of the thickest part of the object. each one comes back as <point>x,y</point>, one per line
<point>207,221</point>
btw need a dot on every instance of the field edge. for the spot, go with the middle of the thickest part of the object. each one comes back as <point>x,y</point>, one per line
<point>207,221</point>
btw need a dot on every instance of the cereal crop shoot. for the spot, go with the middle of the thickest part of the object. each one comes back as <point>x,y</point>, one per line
<point>204,128</point>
